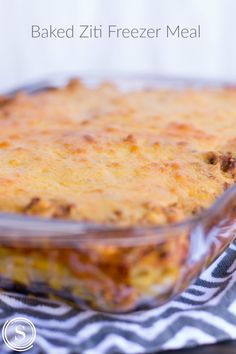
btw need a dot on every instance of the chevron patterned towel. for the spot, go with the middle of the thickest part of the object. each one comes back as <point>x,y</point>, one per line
<point>203,314</point>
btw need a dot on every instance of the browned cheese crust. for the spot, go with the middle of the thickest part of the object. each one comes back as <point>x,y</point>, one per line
<point>101,155</point>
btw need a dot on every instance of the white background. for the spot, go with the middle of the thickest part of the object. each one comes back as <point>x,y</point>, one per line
<point>23,59</point>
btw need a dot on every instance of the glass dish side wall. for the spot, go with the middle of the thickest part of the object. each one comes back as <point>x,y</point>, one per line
<point>116,277</point>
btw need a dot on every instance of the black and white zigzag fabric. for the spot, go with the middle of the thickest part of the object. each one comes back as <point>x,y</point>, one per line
<point>203,314</point>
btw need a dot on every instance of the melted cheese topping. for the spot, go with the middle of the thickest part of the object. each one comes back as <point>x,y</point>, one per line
<point>100,155</point>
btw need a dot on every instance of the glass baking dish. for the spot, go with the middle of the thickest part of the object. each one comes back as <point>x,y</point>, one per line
<point>109,268</point>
